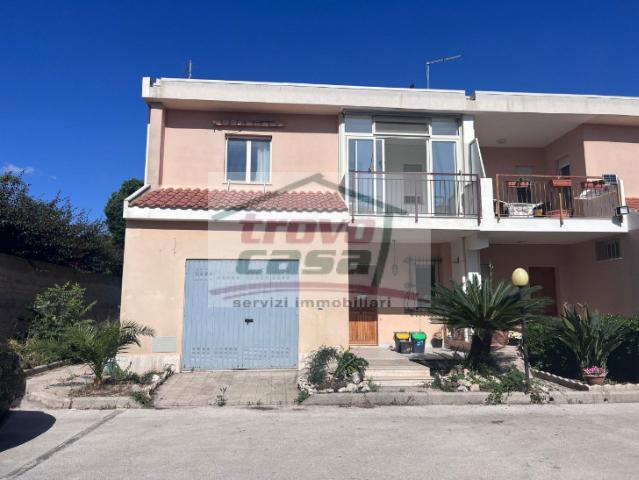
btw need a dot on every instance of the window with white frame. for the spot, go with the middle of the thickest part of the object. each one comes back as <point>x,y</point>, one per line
<point>248,159</point>
<point>381,148</point>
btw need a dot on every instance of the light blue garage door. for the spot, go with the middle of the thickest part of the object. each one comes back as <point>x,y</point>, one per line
<point>240,314</point>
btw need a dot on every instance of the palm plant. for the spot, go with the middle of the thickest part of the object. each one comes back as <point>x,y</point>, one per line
<point>98,343</point>
<point>485,309</point>
<point>591,337</point>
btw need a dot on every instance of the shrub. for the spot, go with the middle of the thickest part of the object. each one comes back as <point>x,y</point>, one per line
<point>344,362</point>
<point>96,344</point>
<point>29,353</point>
<point>12,379</point>
<point>318,364</point>
<point>56,309</point>
<point>591,337</point>
<point>547,353</point>
<point>623,364</point>
<point>348,363</point>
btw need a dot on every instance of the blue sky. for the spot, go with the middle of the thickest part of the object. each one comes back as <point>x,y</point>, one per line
<point>72,116</point>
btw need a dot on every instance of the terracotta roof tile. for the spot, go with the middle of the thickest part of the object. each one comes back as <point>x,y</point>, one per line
<point>633,203</point>
<point>204,199</point>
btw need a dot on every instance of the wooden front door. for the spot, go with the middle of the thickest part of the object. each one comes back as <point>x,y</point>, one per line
<point>545,278</point>
<point>362,326</point>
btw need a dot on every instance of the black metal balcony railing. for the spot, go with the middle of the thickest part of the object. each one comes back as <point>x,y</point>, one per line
<point>554,196</point>
<point>417,194</point>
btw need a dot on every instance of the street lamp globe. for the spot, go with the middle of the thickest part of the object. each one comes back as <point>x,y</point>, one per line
<point>519,277</point>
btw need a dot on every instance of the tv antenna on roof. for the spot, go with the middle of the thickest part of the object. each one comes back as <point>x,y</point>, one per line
<point>189,69</point>
<point>438,60</point>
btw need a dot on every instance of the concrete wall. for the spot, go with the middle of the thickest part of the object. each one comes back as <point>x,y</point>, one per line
<point>154,272</point>
<point>613,149</point>
<point>186,149</point>
<point>396,283</point>
<point>22,279</point>
<point>608,286</point>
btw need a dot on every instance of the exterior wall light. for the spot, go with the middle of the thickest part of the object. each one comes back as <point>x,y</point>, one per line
<point>519,277</point>
<point>520,280</point>
<point>622,210</point>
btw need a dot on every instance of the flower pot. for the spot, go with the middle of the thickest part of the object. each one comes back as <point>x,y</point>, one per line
<point>558,213</point>
<point>592,185</point>
<point>561,182</point>
<point>595,379</point>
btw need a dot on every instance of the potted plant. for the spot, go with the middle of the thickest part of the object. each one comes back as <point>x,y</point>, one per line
<point>437,340</point>
<point>561,182</point>
<point>519,183</point>
<point>592,338</point>
<point>594,375</point>
<point>593,184</point>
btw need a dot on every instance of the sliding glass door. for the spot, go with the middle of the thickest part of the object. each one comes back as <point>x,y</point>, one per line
<point>444,189</point>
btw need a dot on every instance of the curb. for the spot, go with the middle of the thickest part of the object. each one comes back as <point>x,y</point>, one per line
<point>564,382</point>
<point>29,372</point>
<point>81,403</point>
<point>375,399</point>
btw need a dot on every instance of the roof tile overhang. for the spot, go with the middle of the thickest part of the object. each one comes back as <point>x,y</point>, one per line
<point>205,199</point>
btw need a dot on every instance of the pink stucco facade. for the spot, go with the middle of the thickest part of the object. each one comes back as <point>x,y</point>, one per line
<point>187,149</point>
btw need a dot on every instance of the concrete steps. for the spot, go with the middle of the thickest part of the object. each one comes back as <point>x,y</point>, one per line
<point>389,369</point>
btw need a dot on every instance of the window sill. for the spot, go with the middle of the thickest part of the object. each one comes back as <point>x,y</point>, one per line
<point>237,182</point>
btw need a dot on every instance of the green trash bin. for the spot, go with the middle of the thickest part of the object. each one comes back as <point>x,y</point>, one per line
<point>418,341</point>
<point>402,342</point>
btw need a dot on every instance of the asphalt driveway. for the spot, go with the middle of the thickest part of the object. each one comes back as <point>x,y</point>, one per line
<point>479,442</point>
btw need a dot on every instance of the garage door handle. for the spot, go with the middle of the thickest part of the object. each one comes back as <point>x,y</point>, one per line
<point>248,320</point>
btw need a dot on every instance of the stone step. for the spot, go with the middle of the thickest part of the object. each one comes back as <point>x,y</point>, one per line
<point>403,385</point>
<point>396,374</point>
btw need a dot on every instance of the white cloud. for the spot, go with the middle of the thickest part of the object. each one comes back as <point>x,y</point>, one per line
<point>16,170</point>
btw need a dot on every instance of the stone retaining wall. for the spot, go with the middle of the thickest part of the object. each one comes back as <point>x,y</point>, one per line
<point>21,279</point>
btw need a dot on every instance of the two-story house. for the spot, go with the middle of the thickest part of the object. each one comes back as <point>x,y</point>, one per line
<point>276,218</point>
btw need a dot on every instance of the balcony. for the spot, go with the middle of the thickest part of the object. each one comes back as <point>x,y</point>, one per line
<point>548,196</point>
<point>414,194</point>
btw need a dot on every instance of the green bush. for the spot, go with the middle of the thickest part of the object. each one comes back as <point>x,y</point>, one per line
<point>348,363</point>
<point>318,364</point>
<point>548,353</point>
<point>345,363</point>
<point>56,309</point>
<point>623,363</point>
<point>29,353</point>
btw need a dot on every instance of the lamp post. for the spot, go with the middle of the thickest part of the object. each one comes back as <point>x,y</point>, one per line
<point>520,279</point>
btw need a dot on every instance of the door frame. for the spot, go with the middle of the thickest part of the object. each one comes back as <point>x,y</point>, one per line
<point>361,309</point>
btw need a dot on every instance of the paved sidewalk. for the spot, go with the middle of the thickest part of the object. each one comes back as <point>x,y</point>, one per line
<point>243,387</point>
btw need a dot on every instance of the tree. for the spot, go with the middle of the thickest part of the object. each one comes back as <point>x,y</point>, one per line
<point>114,210</point>
<point>478,306</point>
<point>52,230</point>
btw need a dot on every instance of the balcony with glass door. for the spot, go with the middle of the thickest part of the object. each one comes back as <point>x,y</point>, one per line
<point>409,167</point>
